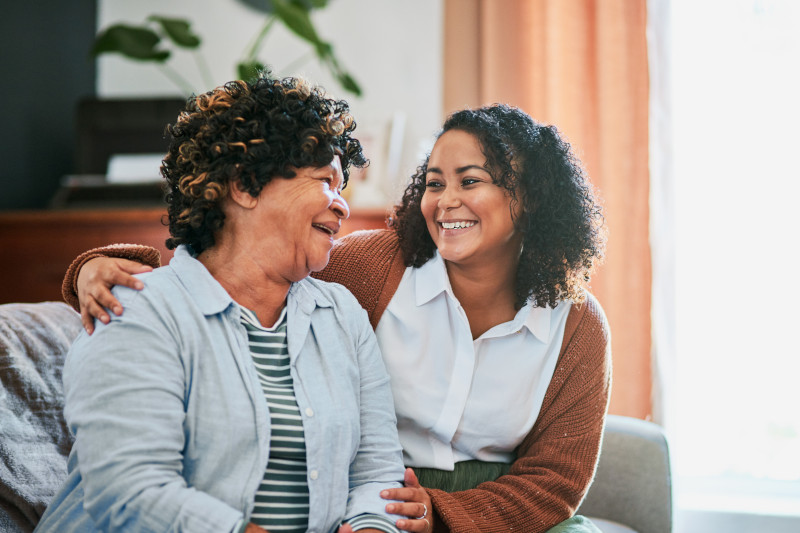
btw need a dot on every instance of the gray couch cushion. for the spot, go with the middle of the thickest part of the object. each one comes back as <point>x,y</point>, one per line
<point>633,484</point>
<point>34,440</point>
<point>608,526</point>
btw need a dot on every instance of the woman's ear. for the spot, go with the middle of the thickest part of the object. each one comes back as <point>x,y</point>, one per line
<point>240,196</point>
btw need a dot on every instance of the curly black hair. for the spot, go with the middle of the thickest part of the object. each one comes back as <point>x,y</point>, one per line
<point>250,132</point>
<point>558,214</point>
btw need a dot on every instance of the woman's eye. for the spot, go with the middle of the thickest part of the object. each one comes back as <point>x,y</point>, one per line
<point>432,185</point>
<point>469,181</point>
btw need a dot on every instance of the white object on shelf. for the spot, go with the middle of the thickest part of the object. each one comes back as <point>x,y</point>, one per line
<point>134,168</point>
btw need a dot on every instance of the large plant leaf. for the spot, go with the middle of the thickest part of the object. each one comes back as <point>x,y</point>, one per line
<point>297,20</point>
<point>308,5</point>
<point>265,6</point>
<point>134,42</point>
<point>348,83</point>
<point>250,70</point>
<point>179,31</point>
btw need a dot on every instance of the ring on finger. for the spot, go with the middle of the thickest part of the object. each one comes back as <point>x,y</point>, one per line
<point>424,512</point>
<point>427,525</point>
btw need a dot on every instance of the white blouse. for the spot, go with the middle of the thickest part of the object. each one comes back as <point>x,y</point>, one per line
<point>457,398</point>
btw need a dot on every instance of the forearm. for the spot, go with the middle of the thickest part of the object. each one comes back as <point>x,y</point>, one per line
<point>136,252</point>
<point>378,464</point>
<point>542,489</point>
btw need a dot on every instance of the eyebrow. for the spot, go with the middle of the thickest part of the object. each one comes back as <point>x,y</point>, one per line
<point>459,170</point>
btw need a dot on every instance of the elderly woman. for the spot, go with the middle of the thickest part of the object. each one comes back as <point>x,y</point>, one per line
<point>499,357</point>
<point>236,393</point>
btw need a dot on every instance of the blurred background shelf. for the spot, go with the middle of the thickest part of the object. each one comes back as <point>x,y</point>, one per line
<point>37,246</point>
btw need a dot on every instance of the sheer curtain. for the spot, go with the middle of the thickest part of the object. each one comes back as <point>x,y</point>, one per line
<point>581,65</point>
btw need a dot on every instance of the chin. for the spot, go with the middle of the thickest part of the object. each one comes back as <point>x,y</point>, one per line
<point>316,266</point>
<point>454,256</point>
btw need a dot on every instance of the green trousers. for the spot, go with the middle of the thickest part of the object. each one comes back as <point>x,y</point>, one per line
<point>576,524</point>
<point>468,474</point>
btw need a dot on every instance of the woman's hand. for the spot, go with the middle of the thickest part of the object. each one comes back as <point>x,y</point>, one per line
<point>95,280</point>
<point>252,528</point>
<point>416,505</point>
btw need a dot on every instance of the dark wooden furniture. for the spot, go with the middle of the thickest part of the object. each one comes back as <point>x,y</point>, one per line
<point>121,126</point>
<point>36,247</point>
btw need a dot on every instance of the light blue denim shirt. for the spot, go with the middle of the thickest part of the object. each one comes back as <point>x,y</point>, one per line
<point>172,429</point>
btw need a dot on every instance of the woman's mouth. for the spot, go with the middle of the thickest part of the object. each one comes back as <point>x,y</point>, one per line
<point>330,229</point>
<point>459,224</point>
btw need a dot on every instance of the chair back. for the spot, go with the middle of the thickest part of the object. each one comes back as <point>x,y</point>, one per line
<point>633,483</point>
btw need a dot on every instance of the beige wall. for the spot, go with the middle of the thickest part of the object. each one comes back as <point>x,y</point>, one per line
<point>394,50</point>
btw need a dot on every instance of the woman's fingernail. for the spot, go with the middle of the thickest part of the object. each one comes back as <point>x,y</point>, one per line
<point>384,494</point>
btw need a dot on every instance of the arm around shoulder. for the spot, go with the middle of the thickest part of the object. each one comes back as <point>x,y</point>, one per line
<point>146,255</point>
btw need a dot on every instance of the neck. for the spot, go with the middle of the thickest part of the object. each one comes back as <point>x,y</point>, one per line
<point>246,280</point>
<point>486,293</point>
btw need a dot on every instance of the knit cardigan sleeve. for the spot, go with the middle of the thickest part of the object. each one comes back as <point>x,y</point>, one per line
<point>370,264</point>
<point>556,461</point>
<point>136,252</point>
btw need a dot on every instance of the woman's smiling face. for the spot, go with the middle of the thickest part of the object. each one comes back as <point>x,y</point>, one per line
<point>295,220</point>
<point>468,216</point>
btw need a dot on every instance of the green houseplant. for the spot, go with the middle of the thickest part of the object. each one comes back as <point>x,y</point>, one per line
<point>154,40</point>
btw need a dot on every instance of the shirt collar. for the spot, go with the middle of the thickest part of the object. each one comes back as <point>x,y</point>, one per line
<point>206,291</point>
<point>537,320</point>
<point>431,280</point>
<point>211,298</point>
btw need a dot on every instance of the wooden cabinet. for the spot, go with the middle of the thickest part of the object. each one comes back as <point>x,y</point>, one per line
<point>36,247</point>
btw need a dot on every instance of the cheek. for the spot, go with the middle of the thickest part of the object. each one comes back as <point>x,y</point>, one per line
<point>428,207</point>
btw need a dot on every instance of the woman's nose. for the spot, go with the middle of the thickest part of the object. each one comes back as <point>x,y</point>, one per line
<point>340,207</point>
<point>449,199</point>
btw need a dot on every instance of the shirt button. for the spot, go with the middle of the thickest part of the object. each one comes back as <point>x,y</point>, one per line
<point>314,474</point>
<point>309,412</point>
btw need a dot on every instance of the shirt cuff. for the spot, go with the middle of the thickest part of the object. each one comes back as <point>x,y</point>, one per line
<point>367,520</point>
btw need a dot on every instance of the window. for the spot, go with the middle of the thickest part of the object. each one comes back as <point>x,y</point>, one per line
<point>736,142</point>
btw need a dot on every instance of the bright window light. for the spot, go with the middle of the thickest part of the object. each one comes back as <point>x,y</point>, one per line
<point>736,125</point>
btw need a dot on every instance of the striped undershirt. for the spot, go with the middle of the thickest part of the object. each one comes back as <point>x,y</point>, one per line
<point>281,503</point>
<point>282,499</point>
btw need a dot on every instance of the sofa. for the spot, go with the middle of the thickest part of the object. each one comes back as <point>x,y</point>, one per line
<point>631,491</point>
<point>34,440</point>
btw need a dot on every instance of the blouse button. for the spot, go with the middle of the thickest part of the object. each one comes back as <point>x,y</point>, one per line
<point>314,474</point>
<point>309,412</point>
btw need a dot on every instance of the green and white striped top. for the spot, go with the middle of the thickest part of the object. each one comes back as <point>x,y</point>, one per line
<point>281,503</point>
<point>282,499</point>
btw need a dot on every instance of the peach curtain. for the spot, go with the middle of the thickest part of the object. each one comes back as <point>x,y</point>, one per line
<point>582,66</point>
